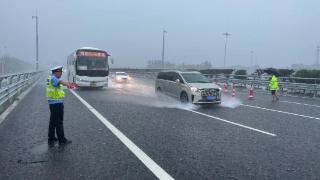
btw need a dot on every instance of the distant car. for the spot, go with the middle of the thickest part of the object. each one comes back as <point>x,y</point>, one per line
<point>122,77</point>
<point>189,87</point>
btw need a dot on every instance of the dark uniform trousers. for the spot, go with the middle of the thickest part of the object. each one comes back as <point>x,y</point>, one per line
<point>56,122</point>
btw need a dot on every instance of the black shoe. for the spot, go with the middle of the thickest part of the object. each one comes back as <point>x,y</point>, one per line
<point>65,142</point>
<point>51,143</point>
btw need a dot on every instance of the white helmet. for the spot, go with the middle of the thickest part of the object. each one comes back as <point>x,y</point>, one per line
<point>56,68</point>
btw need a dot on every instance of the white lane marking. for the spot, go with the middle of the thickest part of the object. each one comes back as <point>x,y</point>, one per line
<point>16,102</point>
<point>302,97</point>
<point>144,158</point>
<point>284,112</point>
<point>233,123</point>
<point>290,102</point>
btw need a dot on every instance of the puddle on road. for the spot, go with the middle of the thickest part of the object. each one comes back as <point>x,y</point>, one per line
<point>134,87</point>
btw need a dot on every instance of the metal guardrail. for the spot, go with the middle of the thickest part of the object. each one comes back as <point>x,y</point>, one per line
<point>286,84</point>
<point>12,85</point>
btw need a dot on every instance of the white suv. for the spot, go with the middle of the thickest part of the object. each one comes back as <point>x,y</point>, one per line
<point>122,77</point>
<point>190,87</point>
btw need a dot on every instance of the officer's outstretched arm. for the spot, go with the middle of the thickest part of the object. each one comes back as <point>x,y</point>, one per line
<point>69,85</point>
<point>65,83</point>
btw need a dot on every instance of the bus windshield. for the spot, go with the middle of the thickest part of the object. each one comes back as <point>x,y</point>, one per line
<point>92,63</point>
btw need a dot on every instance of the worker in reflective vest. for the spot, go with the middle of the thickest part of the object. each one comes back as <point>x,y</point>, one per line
<point>55,96</point>
<point>274,87</point>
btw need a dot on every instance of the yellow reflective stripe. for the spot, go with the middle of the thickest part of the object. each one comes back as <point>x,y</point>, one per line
<point>273,84</point>
<point>54,93</point>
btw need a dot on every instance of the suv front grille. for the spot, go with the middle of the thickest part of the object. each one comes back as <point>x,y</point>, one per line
<point>210,92</point>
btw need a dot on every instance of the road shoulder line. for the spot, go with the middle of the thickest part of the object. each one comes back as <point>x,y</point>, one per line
<point>144,158</point>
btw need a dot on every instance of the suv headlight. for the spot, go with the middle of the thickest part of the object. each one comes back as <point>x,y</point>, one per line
<point>194,89</point>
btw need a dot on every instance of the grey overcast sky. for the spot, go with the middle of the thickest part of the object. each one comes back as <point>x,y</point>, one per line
<point>280,32</point>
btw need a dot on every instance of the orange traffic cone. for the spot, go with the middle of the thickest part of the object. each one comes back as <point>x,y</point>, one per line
<point>233,92</point>
<point>250,93</point>
<point>225,88</point>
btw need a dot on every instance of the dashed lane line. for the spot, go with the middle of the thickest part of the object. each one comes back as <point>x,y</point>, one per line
<point>304,104</point>
<point>283,112</point>
<point>233,123</point>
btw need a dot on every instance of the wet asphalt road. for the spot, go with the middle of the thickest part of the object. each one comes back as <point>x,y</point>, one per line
<point>184,143</point>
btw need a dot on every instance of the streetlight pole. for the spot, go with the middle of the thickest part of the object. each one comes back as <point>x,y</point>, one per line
<point>5,51</point>
<point>3,60</point>
<point>225,48</point>
<point>163,39</point>
<point>37,43</point>
<point>318,51</point>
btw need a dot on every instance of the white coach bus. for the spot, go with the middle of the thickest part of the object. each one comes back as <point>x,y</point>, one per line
<point>88,67</point>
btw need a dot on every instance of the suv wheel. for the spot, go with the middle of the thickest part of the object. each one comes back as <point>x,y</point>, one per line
<point>158,91</point>
<point>184,97</point>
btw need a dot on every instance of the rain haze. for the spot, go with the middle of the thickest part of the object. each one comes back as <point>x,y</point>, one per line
<point>280,33</point>
<point>192,89</point>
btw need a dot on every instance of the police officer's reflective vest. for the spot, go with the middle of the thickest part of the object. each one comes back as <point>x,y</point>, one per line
<point>273,85</point>
<point>54,93</point>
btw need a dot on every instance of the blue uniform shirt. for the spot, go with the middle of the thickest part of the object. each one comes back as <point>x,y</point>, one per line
<point>55,82</point>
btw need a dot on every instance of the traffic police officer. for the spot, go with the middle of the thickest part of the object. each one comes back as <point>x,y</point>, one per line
<point>55,95</point>
<point>274,86</point>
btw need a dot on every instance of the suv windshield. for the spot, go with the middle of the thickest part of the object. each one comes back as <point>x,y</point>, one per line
<point>195,78</point>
